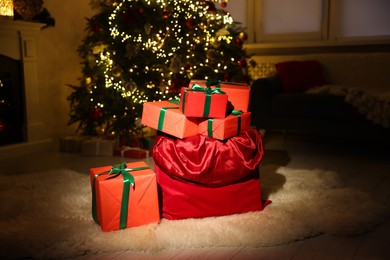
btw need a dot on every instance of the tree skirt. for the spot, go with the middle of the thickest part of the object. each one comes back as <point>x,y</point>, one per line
<point>48,215</point>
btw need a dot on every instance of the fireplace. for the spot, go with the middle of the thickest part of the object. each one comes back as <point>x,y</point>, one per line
<point>12,111</point>
<point>21,128</point>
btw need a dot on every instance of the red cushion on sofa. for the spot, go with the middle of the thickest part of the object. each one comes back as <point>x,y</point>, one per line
<point>299,76</point>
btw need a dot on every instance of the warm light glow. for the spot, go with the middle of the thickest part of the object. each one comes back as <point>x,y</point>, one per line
<point>7,8</point>
<point>177,46</point>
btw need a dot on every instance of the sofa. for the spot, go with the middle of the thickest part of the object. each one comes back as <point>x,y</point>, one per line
<point>323,94</point>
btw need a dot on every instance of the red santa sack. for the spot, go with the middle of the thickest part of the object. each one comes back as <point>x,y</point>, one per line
<point>203,177</point>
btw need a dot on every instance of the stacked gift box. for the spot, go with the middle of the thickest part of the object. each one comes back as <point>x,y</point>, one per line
<point>206,157</point>
<point>206,162</point>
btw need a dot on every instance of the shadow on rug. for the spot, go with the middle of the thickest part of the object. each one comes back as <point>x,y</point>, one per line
<point>48,215</point>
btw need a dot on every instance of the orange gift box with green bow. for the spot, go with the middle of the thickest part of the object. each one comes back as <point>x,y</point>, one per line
<point>166,117</point>
<point>238,93</point>
<point>124,196</point>
<point>205,102</point>
<point>224,128</point>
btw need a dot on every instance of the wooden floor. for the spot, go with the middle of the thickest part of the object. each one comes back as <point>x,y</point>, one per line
<point>363,167</point>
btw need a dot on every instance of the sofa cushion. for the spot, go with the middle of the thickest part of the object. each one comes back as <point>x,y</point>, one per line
<point>299,76</point>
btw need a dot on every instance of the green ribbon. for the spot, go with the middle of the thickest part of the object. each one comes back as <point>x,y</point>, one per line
<point>128,179</point>
<point>174,101</point>
<point>210,127</point>
<point>237,113</point>
<point>161,117</point>
<point>208,91</point>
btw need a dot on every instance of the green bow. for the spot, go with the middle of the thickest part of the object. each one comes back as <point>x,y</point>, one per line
<point>128,179</point>
<point>209,91</point>
<point>236,112</point>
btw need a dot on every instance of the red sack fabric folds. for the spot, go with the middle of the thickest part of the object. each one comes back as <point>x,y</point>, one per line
<point>182,200</point>
<point>209,162</point>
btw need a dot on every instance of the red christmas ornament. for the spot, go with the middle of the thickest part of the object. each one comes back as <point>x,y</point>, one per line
<point>165,14</point>
<point>177,84</point>
<point>2,126</point>
<point>191,23</point>
<point>211,7</point>
<point>95,114</point>
<point>187,66</point>
<point>223,4</point>
<point>96,27</point>
<point>242,63</point>
<point>239,41</point>
<point>130,15</point>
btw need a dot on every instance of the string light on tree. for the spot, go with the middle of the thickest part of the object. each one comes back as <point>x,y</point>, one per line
<point>145,50</point>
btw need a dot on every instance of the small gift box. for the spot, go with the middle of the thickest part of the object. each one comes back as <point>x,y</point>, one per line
<point>227,127</point>
<point>198,101</point>
<point>166,117</point>
<point>132,152</point>
<point>238,93</point>
<point>124,196</point>
<point>72,144</point>
<point>97,147</point>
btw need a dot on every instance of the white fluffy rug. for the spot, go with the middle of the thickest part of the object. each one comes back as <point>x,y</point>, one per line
<point>48,215</point>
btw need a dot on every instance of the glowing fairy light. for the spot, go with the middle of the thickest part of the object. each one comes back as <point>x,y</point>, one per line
<point>7,8</point>
<point>138,63</point>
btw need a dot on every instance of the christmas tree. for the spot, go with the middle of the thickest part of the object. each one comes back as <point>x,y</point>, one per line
<point>143,50</point>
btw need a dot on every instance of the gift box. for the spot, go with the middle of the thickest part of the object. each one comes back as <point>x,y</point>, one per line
<point>97,147</point>
<point>182,200</point>
<point>124,196</point>
<point>132,152</point>
<point>224,128</point>
<point>203,102</point>
<point>238,93</point>
<point>166,117</point>
<point>72,144</point>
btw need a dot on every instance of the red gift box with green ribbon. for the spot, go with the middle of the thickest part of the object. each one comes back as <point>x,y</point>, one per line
<point>223,128</point>
<point>238,93</point>
<point>124,195</point>
<point>166,117</point>
<point>206,102</point>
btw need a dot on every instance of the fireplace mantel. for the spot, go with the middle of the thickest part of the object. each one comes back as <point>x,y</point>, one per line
<point>18,41</point>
